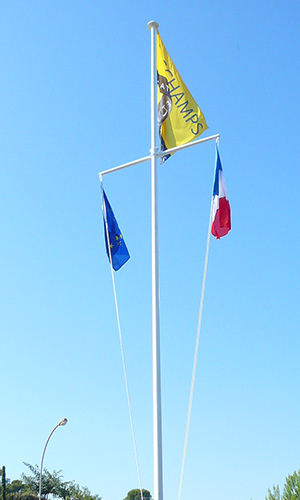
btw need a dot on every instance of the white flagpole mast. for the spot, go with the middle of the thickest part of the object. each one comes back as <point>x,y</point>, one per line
<point>157,427</point>
<point>154,155</point>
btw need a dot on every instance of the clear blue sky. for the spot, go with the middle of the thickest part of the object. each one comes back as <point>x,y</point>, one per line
<point>75,100</point>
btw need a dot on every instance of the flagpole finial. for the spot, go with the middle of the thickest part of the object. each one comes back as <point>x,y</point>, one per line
<point>153,24</point>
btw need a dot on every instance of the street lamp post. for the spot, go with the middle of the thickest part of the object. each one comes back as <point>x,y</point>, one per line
<point>63,421</point>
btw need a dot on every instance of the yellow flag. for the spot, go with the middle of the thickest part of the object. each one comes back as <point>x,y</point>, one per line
<point>179,117</point>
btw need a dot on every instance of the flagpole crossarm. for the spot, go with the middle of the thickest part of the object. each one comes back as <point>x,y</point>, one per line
<point>188,145</point>
<point>154,152</point>
<point>125,165</point>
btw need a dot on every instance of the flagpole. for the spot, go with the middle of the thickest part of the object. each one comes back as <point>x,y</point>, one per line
<point>153,157</point>
<point>157,426</point>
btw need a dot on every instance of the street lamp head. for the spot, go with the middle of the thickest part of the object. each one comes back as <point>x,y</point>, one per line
<point>63,421</point>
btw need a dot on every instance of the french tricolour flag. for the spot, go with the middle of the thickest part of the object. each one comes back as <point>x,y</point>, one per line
<point>221,222</point>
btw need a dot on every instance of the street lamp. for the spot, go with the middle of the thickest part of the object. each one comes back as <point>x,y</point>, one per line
<point>63,421</point>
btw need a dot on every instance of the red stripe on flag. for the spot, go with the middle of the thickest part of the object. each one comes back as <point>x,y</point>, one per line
<point>222,221</point>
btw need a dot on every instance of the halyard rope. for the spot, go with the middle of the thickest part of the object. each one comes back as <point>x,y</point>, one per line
<point>122,349</point>
<point>195,355</point>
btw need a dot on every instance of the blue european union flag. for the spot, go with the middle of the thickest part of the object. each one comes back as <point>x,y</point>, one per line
<point>116,248</point>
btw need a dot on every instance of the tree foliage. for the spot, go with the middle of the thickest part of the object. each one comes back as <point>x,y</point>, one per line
<point>52,483</point>
<point>274,494</point>
<point>53,486</point>
<point>78,493</point>
<point>13,490</point>
<point>291,489</point>
<point>3,483</point>
<point>136,495</point>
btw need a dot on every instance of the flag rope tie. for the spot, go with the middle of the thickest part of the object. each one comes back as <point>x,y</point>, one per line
<point>195,355</point>
<point>122,350</point>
